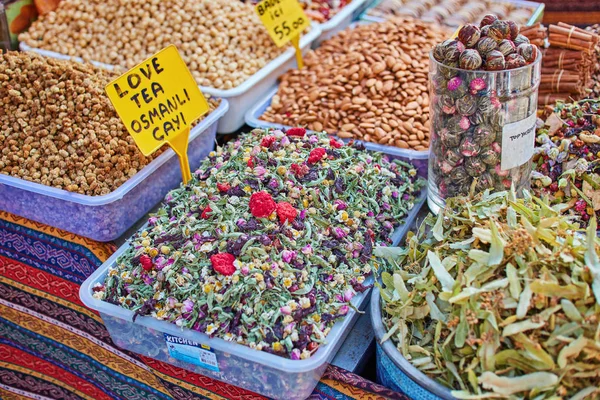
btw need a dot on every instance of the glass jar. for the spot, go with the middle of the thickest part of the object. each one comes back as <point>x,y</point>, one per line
<point>482,129</point>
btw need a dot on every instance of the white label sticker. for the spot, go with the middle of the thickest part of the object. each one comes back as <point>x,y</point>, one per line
<point>518,141</point>
<point>192,352</point>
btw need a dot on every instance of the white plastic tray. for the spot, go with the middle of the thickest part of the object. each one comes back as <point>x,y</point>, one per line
<point>240,98</point>
<point>418,158</point>
<point>258,371</point>
<point>342,20</point>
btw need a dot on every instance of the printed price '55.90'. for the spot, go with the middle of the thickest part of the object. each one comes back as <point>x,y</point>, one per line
<point>284,30</point>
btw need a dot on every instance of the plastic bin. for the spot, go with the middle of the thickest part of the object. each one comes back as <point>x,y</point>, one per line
<point>342,20</point>
<point>418,158</point>
<point>240,98</point>
<point>394,371</point>
<point>537,16</point>
<point>105,218</point>
<point>233,363</point>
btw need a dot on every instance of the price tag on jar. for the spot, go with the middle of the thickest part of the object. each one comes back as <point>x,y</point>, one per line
<point>285,20</point>
<point>157,101</point>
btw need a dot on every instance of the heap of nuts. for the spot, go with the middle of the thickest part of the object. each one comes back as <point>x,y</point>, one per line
<point>222,41</point>
<point>493,46</point>
<point>58,127</point>
<point>367,83</point>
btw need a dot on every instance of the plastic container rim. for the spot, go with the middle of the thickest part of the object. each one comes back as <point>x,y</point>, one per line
<point>397,358</point>
<point>128,185</point>
<point>305,40</point>
<point>291,366</point>
<point>343,13</point>
<point>534,64</point>
<point>538,9</point>
<point>253,120</point>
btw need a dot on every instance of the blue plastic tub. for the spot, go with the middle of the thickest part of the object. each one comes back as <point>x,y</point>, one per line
<point>394,371</point>
<point>419,159</point>
<point>105,218</point>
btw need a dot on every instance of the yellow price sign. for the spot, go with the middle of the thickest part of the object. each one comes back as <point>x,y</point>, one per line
<point>157,101</point>
<point>285,20</point>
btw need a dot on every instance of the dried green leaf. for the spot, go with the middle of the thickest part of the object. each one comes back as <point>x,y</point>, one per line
<point>509,386</point>
<point>438,228</point>
<point>440,271</point>
<point>497,246</point>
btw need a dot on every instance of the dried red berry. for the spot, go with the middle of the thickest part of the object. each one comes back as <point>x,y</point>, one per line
<point>299,132</point>
<point>267,141</point>
<point>335,144</point>
<point>146,262</point>
<point>205,213</point>
<point>261,205</point>
<point>286,212</point>
<point>312,346</point>
<point>223,187</point>
<point>222,263</point>
<point>251,162</point>
<point>316,155</point>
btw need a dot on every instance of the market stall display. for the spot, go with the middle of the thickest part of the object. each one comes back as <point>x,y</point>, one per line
<point>567,160</point>
<point>496,297</point>
<point>266,247</point>
<point>368,83</point>
<point>67,159</point>
<point>569,63</point>
<point>484,88</point>
<point>454,13</point>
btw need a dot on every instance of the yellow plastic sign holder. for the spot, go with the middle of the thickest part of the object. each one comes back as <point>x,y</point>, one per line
<point>284,20</point>
<point>157,101</point>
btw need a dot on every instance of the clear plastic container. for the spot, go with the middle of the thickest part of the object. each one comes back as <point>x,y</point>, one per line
<point>417,158</point>
<point>268,374</point>
<point>396,372</point>
<point>240,98</point>
<point>482,128</point>
<point>105,218</point>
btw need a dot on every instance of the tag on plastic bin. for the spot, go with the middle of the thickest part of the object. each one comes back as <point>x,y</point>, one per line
<point>192,352</point>
<point>285,20</point>
<point>157,101</point>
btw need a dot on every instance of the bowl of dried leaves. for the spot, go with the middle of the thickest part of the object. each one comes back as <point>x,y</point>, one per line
<point>496,297</point>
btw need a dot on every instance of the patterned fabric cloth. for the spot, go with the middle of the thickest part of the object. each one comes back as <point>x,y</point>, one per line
<point>53,347</point>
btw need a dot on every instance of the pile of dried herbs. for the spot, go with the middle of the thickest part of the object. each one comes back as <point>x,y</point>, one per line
<point>498,297</point>
<point>269,242</point>
<point>567,158</point>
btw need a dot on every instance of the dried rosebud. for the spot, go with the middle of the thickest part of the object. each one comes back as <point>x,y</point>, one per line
<point>485,45</point>
<point>529,52</point>
<point>466,105</point>
<point>446,167</point>
<point>477,84</point>
<point>499,30</point>
<point>454,83</point>
<point>469,35</point>
<point>515,61</point>
<point>514,29</point>
<point>483,135</point>
<point>474,166</point>
<point>469,148</point>
<point>470,59</point>
<point>520,39</point>
<point>506,47</point>
<point>495,61</point>
<point>487,19</point>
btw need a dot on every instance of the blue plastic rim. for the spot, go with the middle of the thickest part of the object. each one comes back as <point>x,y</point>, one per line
<point>396,372</point>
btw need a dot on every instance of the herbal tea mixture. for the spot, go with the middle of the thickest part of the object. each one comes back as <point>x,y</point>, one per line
<point>269,242</point>
<point>567,166</point>
<point>498,298</point>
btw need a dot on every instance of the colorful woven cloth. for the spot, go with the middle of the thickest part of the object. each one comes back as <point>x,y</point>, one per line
<point>53,347</point>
